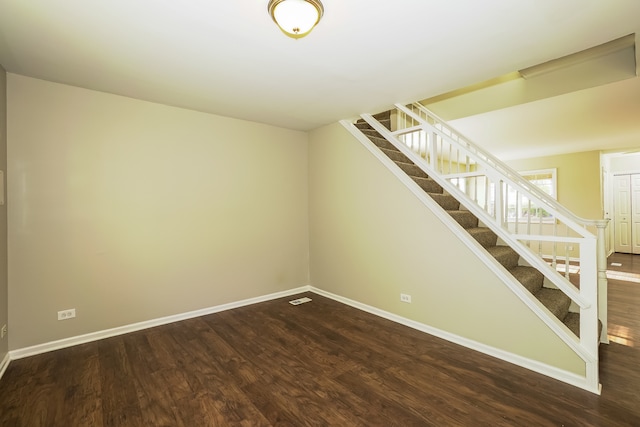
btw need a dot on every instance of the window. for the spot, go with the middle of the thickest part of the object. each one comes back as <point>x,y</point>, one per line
<point>520,208</point>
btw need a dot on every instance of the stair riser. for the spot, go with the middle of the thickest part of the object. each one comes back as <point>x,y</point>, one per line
<point>371,133</point>
<point>572,320</point>
<point>383,118</point>
<point>382,143</point>
<point>448,203</point>
<point>464,218</point>
<point>556,301</point>
<point>385,115</point>
<point>395,155</point>
<point>412,170</point>
<point>428,185</point>
<point>485,237</point>
<point>363,126</point>
<point>508,260</point>
<point>530,278</point>
<point>386,123</point>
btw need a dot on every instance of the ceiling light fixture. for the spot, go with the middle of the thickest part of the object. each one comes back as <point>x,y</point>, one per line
<point>296,18</point>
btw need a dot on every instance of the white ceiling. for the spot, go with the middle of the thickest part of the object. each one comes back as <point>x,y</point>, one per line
<point>603,118</point>
<point>229,58</point>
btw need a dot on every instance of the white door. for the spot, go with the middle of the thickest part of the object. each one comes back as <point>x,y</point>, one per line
<point>635,213</point>
<point>622,213</point>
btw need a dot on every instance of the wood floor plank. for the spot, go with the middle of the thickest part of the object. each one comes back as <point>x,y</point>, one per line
<point>120,405</point>
<point>379,401</point>
<point>298,400</point>
<point>78,381</point>
<point>320,363</point>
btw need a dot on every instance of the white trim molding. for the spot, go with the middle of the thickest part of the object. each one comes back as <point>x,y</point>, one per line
<point>4,364</point>
<point>121,330</point>
<point>532,365</point>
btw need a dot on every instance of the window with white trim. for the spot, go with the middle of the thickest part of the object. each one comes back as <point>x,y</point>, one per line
<point>520,208</point>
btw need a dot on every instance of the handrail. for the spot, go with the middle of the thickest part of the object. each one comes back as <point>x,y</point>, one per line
<point>507,170</point>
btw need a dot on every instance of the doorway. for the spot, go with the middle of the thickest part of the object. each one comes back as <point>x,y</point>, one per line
<point>614,164</point>
<point>626,215</point>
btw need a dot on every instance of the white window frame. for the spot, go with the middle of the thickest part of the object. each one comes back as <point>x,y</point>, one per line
<point>530,175</point>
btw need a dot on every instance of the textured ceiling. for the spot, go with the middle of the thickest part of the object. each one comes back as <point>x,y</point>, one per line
<point>229,58</point>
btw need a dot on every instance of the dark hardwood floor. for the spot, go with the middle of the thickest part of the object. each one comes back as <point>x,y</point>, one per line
<point>320,363</point>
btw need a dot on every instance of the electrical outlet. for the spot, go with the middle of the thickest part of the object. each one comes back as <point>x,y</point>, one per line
<point>3,331</point>
<point>405,298</point>
<point>570,248</point>
<point>67,314</point>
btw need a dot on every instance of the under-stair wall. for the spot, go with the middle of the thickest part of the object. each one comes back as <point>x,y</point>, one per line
<point>371,238</point>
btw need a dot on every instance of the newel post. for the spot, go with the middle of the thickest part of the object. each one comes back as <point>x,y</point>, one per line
<point>602,278</point>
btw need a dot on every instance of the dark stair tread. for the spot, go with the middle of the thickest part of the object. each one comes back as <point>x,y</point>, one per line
<point>363,125</point>
<point>572,321</point>
<point>412,170</point>
<point>385,115</point>
<point>505,256</point>
<point>382,142</point>
<point>417,174</point>
<point>428,184</point>
<point>483,235</point>
<point>530,278</point>
<point>384,118</point>
<point>465,218</point>
<point>555,300</point>
<point>446,201</point>
<point>371,132</point>
<point>395,155</point>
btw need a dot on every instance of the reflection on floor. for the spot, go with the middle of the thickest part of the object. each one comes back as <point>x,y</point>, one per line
<point>623,274</point>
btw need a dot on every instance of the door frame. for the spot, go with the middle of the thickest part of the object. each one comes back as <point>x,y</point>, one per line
<point>607,186</point>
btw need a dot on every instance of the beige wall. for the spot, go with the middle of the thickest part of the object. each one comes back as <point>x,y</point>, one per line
<point>4,291</point>
<point>579,183</point>
<point>129,211</point>
<point>371,239</point>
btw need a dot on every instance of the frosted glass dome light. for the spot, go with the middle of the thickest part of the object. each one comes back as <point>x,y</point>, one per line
<point>296,18</point>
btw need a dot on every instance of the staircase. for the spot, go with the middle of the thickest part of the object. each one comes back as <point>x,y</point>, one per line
<point>536,260</point>
<point>553,299</point>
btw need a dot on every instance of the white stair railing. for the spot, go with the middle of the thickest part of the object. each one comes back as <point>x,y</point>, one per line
<point>568,250</point>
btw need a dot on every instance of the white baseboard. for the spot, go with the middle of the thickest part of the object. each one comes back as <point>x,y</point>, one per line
<point>95,336</point>
<point>4,364</point>
<point>533,365</point>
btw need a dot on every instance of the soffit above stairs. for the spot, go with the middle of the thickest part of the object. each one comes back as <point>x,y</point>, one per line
<point>597,66</point>
<point>575,103</point>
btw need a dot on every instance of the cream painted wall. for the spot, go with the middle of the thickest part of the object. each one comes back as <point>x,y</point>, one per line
<point>4,289</point>
<point>579,182</point>
<point>129,211</point>
<point>371,239</point>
